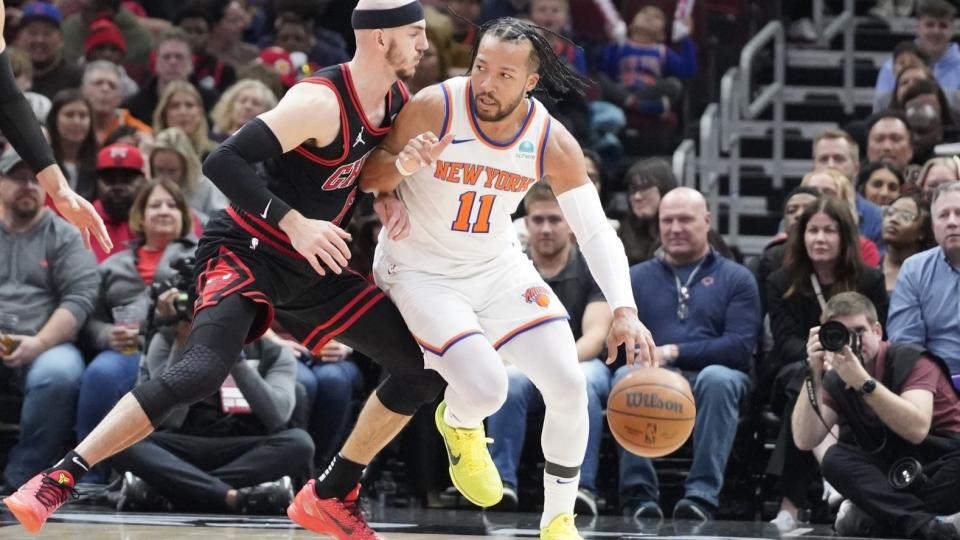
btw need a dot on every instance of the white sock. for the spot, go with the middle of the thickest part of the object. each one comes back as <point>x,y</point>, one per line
<point>559,496</point>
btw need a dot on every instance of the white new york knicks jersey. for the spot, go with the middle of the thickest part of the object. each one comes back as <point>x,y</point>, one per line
<point>460,208</point>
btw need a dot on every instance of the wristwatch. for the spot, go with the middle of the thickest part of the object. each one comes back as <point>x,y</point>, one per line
<point>868,387</point>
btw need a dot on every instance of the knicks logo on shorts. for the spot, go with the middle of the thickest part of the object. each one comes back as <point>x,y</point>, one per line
<point>537,295</point>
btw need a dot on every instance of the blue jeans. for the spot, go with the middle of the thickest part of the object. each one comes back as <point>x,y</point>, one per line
<point>331,389</point>
<point>50,385</point>
<point>108,377</point>
<point>508,426</point>
<point>719,393</point>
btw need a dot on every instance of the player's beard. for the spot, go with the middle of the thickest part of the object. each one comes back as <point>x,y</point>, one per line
<point>395,59</point>
<point>502,112</point>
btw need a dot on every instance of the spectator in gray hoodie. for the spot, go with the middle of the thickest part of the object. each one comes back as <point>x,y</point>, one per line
<point>48,284</point>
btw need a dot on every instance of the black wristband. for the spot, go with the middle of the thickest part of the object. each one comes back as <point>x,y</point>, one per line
<point>229,168</point>
<point>19,124</point>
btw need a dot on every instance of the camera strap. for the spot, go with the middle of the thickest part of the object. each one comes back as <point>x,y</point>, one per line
<point>812,396</point>
<point>818,291</point>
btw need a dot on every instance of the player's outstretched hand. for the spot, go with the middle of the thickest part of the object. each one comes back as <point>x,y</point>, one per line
<point>627,330</point>
<point>82,214</point>
<point>422,151</point>
<point>393,215</point>
<point>318,241</point>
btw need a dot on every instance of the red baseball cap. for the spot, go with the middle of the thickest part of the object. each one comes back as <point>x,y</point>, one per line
<point>119,156</point>
<point>279,59</point>
<point>104,32</point>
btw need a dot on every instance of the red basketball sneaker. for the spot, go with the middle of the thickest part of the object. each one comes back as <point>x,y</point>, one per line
<point>33,503</point>
<point>340,519</point>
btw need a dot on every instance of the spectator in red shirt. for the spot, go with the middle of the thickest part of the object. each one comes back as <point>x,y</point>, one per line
<point>893,402</point>
<point>119,176</point>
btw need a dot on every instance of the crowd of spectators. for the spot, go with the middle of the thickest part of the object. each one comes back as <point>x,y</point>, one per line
<point>134,97</point>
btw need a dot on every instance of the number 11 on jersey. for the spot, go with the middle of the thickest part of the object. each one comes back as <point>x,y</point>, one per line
<point>482,224</point>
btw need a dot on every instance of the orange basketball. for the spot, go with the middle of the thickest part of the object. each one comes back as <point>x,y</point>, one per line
<point>651,411</point>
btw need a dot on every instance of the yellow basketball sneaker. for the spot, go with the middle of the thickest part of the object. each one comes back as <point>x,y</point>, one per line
<point>471,468</point>
<point>561,528</point>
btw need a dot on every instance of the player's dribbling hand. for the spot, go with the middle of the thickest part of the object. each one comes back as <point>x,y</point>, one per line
<point>318,241</point>
<point>393,215</point>
<point>627,330</point>
<point>422,151</point>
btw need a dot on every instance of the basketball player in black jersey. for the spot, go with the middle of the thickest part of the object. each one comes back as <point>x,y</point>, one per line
<point>279,251</point>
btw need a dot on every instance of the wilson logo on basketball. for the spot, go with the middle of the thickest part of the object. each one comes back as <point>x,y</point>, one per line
<point>652,401</point>
<point>537,295</point>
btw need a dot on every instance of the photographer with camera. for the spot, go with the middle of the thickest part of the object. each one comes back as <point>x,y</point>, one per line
<point>131,281</point>
<point>822,258</point>
<point>233,451</point>
<point>897,459</point>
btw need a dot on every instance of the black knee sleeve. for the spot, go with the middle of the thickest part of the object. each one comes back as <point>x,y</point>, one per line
<point>212,350</point>
<point>404,394</point>
<point>198,374</point>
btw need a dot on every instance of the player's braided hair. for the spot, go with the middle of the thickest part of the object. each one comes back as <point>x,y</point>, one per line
<point>556,78</point>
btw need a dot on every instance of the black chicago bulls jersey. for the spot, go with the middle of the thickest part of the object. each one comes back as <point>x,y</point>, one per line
<point>322,183</point>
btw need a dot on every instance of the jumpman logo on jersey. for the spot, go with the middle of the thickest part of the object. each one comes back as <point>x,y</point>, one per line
<point>359,139</point>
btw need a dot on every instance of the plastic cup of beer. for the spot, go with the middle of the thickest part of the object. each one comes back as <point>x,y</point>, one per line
<point>9,324</point>
<point>129,317</point>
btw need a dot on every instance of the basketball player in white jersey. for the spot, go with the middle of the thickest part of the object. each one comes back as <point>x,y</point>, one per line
<point>461,156</point>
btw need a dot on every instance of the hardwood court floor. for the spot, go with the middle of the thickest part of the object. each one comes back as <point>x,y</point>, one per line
<point>394,524</point>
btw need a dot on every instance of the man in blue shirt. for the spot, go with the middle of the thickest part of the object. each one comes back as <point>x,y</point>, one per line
<point>836,149</point>
<point>935,36</point>
<point>925,305</point>
<point>704,311</point>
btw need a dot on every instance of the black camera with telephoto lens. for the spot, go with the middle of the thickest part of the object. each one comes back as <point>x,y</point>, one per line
<point>182,281</point>
<point>834,335</point>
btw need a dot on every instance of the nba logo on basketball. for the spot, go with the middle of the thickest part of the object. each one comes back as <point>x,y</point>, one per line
<point>537,295</point>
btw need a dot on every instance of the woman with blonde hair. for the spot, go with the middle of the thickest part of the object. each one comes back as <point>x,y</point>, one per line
<point>181,106</point>
<point>241,102</point>
<point>174,157</point>
<point>834,183</point>
<point>935,173</point>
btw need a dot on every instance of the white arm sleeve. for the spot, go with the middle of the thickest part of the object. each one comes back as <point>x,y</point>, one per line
<point>599,244</point>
